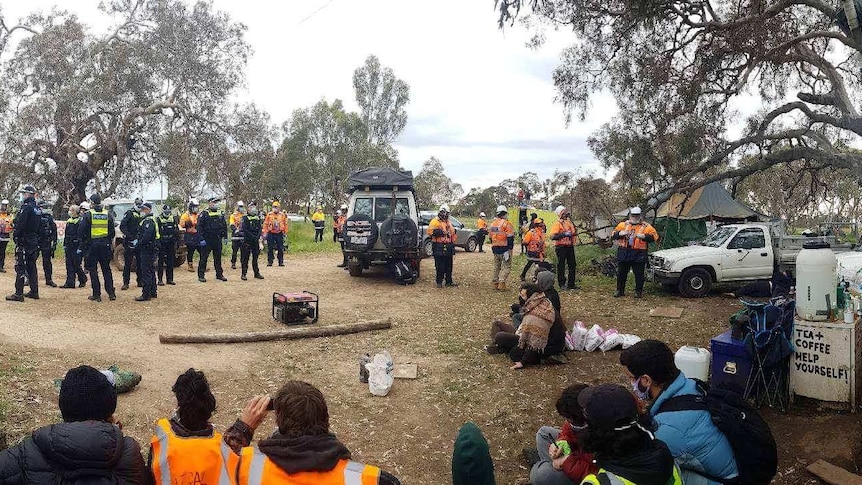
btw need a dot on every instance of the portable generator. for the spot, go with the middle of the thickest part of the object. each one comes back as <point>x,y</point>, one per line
<point>296,308</point>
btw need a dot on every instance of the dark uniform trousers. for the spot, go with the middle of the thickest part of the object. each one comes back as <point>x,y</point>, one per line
<point>25,268</point>
<point>250,251</point>
<point>73,266</point>
<point>99,255</point>
<point>565,260</point>
<point>213,247</point>
<point>130,255</point>
<point>47,263</point>
<point>275,245</point>
<point>167,259</point>
<point>147,262</point>
<point>235,249</point>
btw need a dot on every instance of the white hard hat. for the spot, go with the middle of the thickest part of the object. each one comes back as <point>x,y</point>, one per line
<point>559,210</point>
<point>635,211</point>
<point>193,201</point>
<point>481,214</point>
<point>85,206</point>
<point>4,201</point>
<point>502,208</point>
<point>240,204</point>
<point>338,212</point>
<point>344,207</point>
<point>444,208</point>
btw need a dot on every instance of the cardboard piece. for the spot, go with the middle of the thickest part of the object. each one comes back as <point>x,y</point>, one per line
<point>666,312</point>
<point>406,371</point>
<point>832,474</point>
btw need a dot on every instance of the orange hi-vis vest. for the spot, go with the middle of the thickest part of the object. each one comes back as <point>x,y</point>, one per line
<point>191,220</point>
<point>535,241</point>
<point>236,219</point>
<point>631,241</point>
<point>481,223</point>
<point>255,468</point>
<point>193,460</point>
<point>5,225</point>
<point>501,230</point>
<point>560,227</point>
<point>448,236</point>
<point>339,224</point>
<point>275,223</point>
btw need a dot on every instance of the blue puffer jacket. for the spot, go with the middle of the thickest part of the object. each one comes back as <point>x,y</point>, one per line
<point>694,441</point>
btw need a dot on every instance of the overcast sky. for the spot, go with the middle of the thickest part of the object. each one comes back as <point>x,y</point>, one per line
<point>481,101</point>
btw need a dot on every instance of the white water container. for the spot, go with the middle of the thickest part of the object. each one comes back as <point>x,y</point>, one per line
<point>816,281</point>
<point>693,362</point>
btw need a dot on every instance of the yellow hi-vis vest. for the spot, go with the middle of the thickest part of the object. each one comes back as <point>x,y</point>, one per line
<point>158,236</point>
<point>99,224</point>
<point>196,459</point>
<point>604,477</point>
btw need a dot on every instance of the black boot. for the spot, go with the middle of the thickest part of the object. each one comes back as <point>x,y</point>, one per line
<point>15,297</point>
<point>32,295</point>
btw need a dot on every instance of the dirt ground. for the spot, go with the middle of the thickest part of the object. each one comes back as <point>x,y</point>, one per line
<point>411,431</point>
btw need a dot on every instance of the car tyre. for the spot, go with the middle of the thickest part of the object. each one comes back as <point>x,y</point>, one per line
<point>355,269</point>
<point>471,245</point>
<point>428,248</point>
<point>695,283</point>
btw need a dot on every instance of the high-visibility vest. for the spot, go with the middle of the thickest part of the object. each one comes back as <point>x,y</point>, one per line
<point>535,240</point>
<point>318,217</point>
<point>560,227</point>
<point>5,223</point>
<point>99,223</point>
<point>501,230</point>
<point>481,224</point>
<point>191,219</point>
<point>156,226</point>
<point>610,478</point>
<point>191,460</point>
<point>236,219</point>
<point>256,469</point>
<point>448,236</point>
<point>632,241</point>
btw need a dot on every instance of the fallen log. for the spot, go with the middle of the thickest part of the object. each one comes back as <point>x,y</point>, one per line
<point>832,474</point>
<point>290,334</point>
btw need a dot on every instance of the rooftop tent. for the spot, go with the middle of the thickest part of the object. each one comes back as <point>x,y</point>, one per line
<point>381,178</point>
<point>683,217</point>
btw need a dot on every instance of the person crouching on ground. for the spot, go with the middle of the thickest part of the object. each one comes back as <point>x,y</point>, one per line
<point>87,447</point>
<point>560,460</point>
<point>622,440</point>
<point>540,334</point>
<point>471,458</point>
<point>303,450</point>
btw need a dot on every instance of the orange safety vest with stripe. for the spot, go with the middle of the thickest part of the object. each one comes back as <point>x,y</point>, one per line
<point>560,227</point>
<point>481,223</point>
<point>339,224</point>
<point>448,236</point>
<point>275,223</point>
<point>501,230</point>
<point>189,222</point>
<point>180,461</point>
<point>255,468</point>
<point>5,226</point>
<point>633,230</point>
<point>535,241</point>
<point>236,219</point>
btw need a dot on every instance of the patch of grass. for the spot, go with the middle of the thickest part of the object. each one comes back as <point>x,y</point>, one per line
<point>301,238</point>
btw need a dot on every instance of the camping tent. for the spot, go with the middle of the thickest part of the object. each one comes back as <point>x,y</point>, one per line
<point>684,217</point>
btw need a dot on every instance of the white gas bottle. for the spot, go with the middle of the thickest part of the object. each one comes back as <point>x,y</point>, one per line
<point>693,362</point>
<point>816,280</point>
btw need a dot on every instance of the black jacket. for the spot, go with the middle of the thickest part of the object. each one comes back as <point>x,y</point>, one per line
<point>86,223</point>
<point>168,227</point>
<point>85,453</point>
<point>26,225</point>
<point>47,230</point>
<point>250,229</point>
<point>310,453</point>
<point>130,225</point>
<point>212,225</point>
<point>72,235</point>
<point>147,236</point>
<point>652,466</point>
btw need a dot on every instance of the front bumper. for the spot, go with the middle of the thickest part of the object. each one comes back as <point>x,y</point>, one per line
<point>662,277</point>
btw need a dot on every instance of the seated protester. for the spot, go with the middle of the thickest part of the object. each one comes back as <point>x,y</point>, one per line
<point>695,442</point>
<point>88,447</point>
<point>526,291</point>
<point>779,285</point>
<point>622,441</point>
<point>187,444</point>
<point>545,282</point>
<point>541,332</point>
<point>556,465</point>
<point>302,450</point>
<point>471,459</point>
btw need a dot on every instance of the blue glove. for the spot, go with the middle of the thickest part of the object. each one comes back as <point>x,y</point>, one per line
<point>203,242</point>
<point>79,252</point>
<point>135,243</point>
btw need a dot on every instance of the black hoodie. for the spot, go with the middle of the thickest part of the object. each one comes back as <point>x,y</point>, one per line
<point>652,466</point>
<point>89,452</point>
<point>310,453</point>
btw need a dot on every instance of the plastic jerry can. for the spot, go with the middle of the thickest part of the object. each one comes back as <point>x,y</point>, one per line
<point>693,362</point>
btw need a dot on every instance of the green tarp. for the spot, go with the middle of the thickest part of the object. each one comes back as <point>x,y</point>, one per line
<point>678,232</point>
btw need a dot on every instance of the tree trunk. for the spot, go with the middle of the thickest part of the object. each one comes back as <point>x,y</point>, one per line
<point>289,334</point>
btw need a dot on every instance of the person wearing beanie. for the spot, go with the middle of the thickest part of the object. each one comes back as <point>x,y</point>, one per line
<point>87,447</point>
<point>471,459</point>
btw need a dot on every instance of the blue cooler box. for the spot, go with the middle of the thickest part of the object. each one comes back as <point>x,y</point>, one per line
<point>731,363</point>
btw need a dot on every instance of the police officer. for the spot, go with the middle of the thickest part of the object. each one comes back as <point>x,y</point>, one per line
<point>250,230</point>
<point>47,242</point>
<point>71,244</point>
<point>212,228</point>
<point>236,241</point>
<point>129,227</point>
<point>26,237</point>
<point>5,232</point>
<point>97,232</point>
<point>168,229</point>
<point>146,245</point>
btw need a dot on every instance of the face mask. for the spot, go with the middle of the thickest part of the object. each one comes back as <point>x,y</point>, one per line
<point>634,220</point>
<point>253,211</point>
<point>194,210</point>
<point>276,209</point>
<point>72,214</point>
<point>242,210</point>
<point>166,213</point>
<point>642,395</point>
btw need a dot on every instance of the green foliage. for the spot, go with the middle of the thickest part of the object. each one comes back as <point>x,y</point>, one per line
<point>382,99</point>
<point>301,238</point>
<point>433,187</point>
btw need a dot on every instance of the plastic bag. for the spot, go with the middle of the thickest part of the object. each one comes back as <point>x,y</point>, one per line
<point>613,339</point>
<point>629,340</point>
<point>575,339</point>
<point>594,338</point>
<point>380,374</point>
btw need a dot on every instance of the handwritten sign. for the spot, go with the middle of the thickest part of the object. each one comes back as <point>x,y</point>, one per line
<point>822,361</point>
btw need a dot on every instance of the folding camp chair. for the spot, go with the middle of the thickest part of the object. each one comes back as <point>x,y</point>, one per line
<point>768,343</point>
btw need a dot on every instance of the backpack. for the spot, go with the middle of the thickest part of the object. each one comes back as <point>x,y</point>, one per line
<point>750,437</point>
